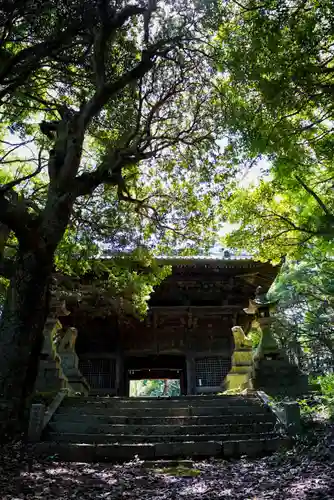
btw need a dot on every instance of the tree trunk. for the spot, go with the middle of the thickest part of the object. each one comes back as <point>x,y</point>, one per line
<point>21,329</point>
<point>166,387</point>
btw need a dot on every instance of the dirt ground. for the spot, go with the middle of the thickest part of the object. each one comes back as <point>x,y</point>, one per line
<point>304,472</point>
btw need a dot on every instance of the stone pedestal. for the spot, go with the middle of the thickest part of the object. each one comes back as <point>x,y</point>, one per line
<point>240,375</point>
<point>273,372</point>
<point>70,362</point>
<point>37,413</point>
<point>50,376</point>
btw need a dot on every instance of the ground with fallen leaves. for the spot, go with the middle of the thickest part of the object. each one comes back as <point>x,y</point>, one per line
<point>304,472</point>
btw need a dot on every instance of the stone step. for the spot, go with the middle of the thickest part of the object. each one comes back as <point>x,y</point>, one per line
<point>101,419</point>
<point>185,411</point>
<point>130,399</point>
<point>73,452</point>
<point>254,447</point>
<point>151,430</point>
<point>85,438</point>
<point>195,402</point>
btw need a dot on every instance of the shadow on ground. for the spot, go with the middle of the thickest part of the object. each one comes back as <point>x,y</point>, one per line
<point>279,477</point>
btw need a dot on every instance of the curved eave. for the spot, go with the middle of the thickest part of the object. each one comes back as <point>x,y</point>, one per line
<point>253,273</point>
<point>196,261</point>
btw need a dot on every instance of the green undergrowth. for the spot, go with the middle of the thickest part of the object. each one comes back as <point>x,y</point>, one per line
<point>319,403</point>
<point>178,471</point>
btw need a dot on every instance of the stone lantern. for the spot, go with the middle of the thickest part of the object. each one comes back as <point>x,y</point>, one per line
<point>260,310</point>
<point>272,370</point>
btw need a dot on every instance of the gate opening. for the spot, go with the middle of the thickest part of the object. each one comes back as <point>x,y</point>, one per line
<point>157,376</point>
<point>155,388</point>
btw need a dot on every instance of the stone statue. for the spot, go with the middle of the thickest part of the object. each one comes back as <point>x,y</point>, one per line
<point>67,342</point>
<point>70,362</point>
<point>240,375</point>
<point>240,339</point>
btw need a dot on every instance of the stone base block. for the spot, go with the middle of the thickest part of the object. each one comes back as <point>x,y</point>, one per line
<point>50,377</point>
<point>79,384</point>
<point>238,380</point>
<point>279,377</point>
<point>197,449</point>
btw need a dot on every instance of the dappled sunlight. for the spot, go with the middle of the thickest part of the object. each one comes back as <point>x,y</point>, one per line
<point>314,484</point>
<point>292,475</point>
<point>194,489</point>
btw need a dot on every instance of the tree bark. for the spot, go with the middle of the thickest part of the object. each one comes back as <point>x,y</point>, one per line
<point>166,387</point>
<point>21,329</point>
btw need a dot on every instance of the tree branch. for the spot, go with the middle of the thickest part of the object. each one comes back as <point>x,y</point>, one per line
<point>249,9</point>
<point>15,146</point>
<point>15,216</point>
<point>9,186</point>
<point>108,26</point>
<point>315,196</point>
<point>21,65</point>
<point>107,91</point>
<point>292,224</point>
<point>54,43</point>
<point>109,172</point>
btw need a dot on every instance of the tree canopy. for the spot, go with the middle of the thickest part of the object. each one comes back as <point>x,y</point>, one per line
<point>126,127</point>
<point>277,89</point>
<point>304,318</point>
<point>276,64</point>
<point>109,131</point>
<point>143,170</point>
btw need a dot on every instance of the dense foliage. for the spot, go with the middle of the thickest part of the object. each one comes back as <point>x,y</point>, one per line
<point>108,143</point>
<point>155,388</point>
<point>276,83</point>
<point>125,129</point>
<point>278,96</point>
<point>149,141</point>
<point>304,319</point>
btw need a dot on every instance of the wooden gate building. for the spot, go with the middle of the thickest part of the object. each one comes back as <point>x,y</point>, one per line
<point>186,334</point>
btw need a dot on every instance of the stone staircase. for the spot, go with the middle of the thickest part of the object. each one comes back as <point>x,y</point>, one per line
<point>114,429</point>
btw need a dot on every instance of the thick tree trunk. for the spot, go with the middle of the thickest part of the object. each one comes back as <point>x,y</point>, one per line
<point>21,329</point>
<point>166,387</point>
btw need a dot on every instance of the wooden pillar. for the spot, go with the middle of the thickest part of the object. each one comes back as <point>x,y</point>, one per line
<point>119,382</point>
<point>191,374</point>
